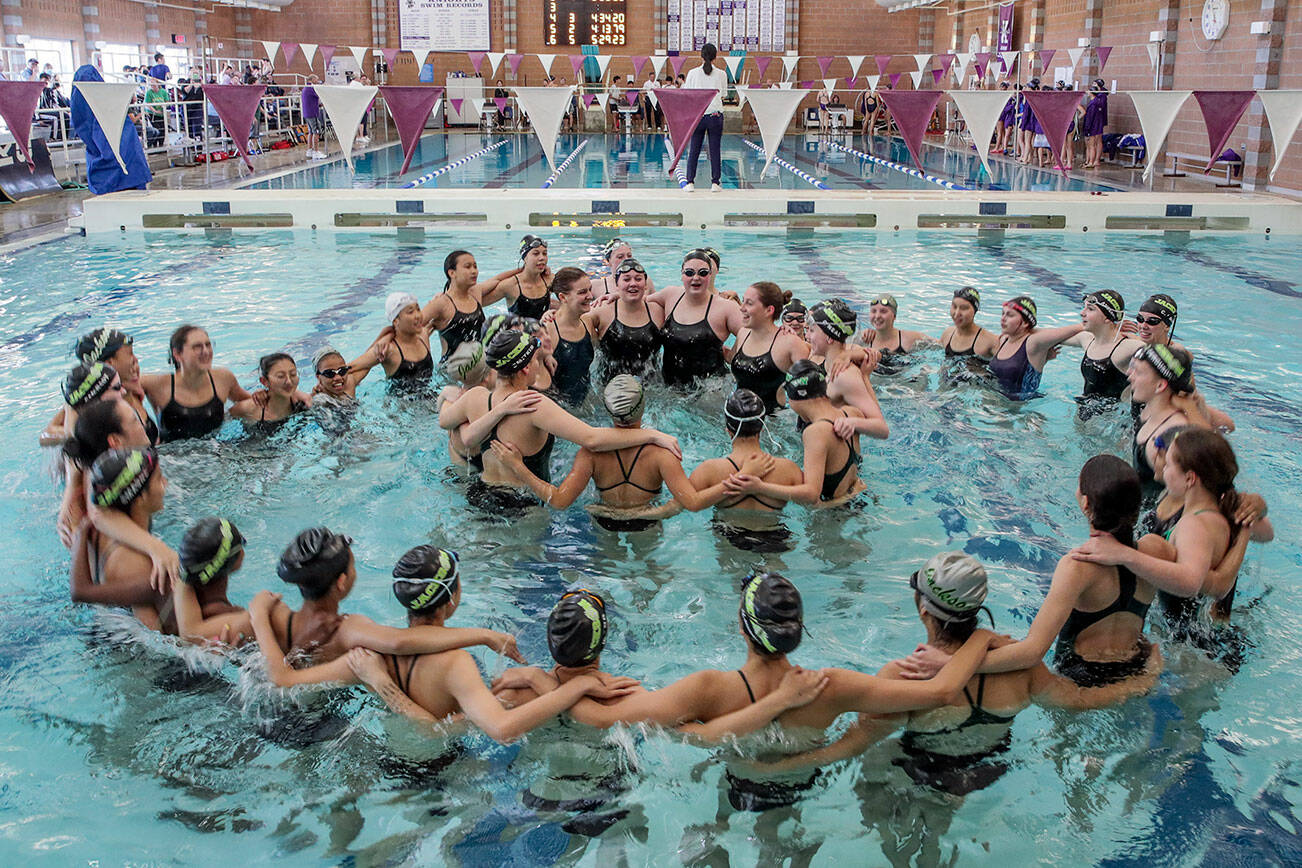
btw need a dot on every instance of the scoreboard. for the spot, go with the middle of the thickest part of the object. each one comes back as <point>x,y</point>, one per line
<point>584,22</point>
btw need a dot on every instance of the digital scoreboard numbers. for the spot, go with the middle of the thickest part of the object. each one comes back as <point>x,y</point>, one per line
<point>584,22</point>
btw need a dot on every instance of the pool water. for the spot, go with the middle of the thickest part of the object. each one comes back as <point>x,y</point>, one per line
<point>114,747</point>
<point>642,161</point>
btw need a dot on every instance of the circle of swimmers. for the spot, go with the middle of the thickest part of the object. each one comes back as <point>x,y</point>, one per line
<point>1168,525</point>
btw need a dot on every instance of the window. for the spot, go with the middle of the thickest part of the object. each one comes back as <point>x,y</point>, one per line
<point>115,55</point>
<point>177,60</point>
<point>56,52</point>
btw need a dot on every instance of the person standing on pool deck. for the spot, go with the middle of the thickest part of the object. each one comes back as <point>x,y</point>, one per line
<point>628,342</point>
<point>191,401</point>
<point>529,292</point>
<point>695,326</point>
<point>707,76</point>
<point>1096,118</point>
<point>408,359</point>
<point>457,313</point>
<point>884,337</point>
<point>973,340</point>
<point>1019,360</point>
<point>763,372</point>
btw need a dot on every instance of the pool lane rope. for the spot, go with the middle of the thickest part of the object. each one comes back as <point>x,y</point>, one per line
<point>680,171</point>
<point>908,170</point>
<point>790,168</point>
<point>450,166</point>
<point>565,163</point>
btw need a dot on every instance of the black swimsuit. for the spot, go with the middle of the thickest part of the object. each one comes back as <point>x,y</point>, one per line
<point>892,360</point>
<point>759,373</point>
<point>179,421</point>
<point>412,371</point>
<point>962,774</point>
<point>1102,379</point>
<point>151,430</point>
<point>1140,453</point>
<point>530,307</point>
<point>464,326</point>
<point>745,497</point>
<point>1096,673</point>
<point>539,463</point>
<point>573,377</point>
<point>692,350</point>
<point>951,353</point>
<point>628,472</point>
<point>629,349</point>
<point>832,481</point>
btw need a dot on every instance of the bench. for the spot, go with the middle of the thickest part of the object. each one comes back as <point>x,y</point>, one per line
<point>1198,163</point>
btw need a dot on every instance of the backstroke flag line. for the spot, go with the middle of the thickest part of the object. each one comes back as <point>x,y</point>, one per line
<point>410,107</point>
<point>1284,112</point>
<point>1221,112</point>
<point>912,110</point>
<point>981,110</point>
<point>773,109</point>
<point>18,100</point>
<point>108,101</point>
<point>236,104</point>
<point>1055,110</point>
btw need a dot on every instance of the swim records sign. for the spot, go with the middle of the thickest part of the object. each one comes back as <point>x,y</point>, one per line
<point>443,25</point>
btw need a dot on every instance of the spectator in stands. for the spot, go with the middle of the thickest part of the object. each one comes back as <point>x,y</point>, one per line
<point>160,69</point>
<point>312,117</point>
<point>191,94</point>
<point>613,96</point>
<point>33,67</point>
<point>227,76</point>
<point>155,103</point>
<point>48,108</point>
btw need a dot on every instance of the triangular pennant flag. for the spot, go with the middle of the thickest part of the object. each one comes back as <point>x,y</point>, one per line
<point>327,55</point>
<point>979,62</point>
<point>1075,55</point>
<point>269,49</point>
<point>856,61</point>
<point>1157,110</point>
<point>603,63</point>
<point>981,110</point>
<point>495,59</point>
<point>676,63</point>
<point>936,75</point>
<point>456,103</point>
<point>589,99</point>
<point>922,60</point>
<point>477,59</point>
<point>824,63</point>
<point>1284,112</point>
<point>762,64</point>
<point>1153,49</point>
<point>345,104</point>
<point>410,107</point>
<point>789,65</point>
<point>1103,51</point>
<point>235,105</point>
<point>912,111</point>
<point>806,85</point>
<point>872,81</point>
<point>18,101</point>
<point>850,82</point>
<point>289,49</point>
<point>883,61</point>
<point>773,110</point>
<point>546,61</point>
<point>576,63</point>
<point>658,63</point>
<point>963,58</point>
<point>1046,58</point>
<point>1009,60</point>
<point>895,79</point>
<point>108,102</point>
<point>309,52</point>
<point>916,75</point>
<point>734,66</point>
<point>603,99</point>
<point>500,102</point>
<point>639,61</point>
<point>546,108</point>
<point>829,85</point>
<point>1221,112</point>
<point>514,61</point>
<point>390,55</point>
<point>683,109</point>
<point>786,85</point>
<point>946,62</point>
<point>1055,110</point>
<point>632,95</point>
<point>359,55</point>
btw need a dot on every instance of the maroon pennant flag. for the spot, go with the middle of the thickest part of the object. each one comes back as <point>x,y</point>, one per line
<point>1221,112</point>
<point>18,101</point>
<point>912,111</point>
<point>1055,110</point>
<point>883,61</point>
<point>683,109</point>
<point>410,107</point>
<point>236,105</point>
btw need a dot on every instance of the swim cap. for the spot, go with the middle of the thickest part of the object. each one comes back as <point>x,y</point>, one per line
<point>208,550</point>
<point>510,351</point>
<point>713,256</point>
<point>795,307</point>
<point>1162,305</point>
<point>529,242</point>
<point>952,585</point>
<point>835,319</point>
<point>806,380</point>
<point>100,345</point>
<point>971,295</point>
<point>1177,372</point>
<point>1109,301</point>
<point>86,383</point>
<point>320,354</point>
<point>700,254</point>
<point>771,613</point>
<point>629,264</point>
<point>396,303</point>
<point>1024,305</point>
<point>313,561</point>
<point>119,476</point>
<point>623,399</point>
<point>888,300</point>
<point>744,413</point>
<point>609,247</point>
<point>427,577</point>
<point>466,363</point>
<point>576,628</point>
<point>492,326</point>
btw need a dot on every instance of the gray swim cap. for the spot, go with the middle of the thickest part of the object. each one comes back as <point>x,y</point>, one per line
<point>952,585</point>
<point>320,354</point>
<point>466,364</point>
<point>623,398</point>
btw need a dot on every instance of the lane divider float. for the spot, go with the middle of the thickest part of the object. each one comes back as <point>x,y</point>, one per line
<point>450,166</point>
<point>908,170</point>
<point>551,179</point>
<point>790,168</point>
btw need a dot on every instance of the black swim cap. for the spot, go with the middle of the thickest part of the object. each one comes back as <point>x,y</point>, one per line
<point>795,307</point>
<point>1024,305</point>
<point>427,577</point>
<point>1162,305</point>
<point>700,254</point>
<point>100,345</point>
<point>119,476</point>
<point>806,380</point>
<point>743,413</point>
<point>86,383</point>
<point>529,242</point>
<point>492,326</point>
<point>971,295</point>
<point>630,264</point>
<point>1174,366</point>
<point>835,319</point>
<point>208,550</point>
<point>1109,301</point>
<point>576,628</point>
<point>772,615</point>
<point>313,561</point>
<point>509,352</point>
<point>713,256</point>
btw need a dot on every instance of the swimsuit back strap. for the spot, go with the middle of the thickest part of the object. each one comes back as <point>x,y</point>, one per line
<point>172,395</point>
<point>746,681</point>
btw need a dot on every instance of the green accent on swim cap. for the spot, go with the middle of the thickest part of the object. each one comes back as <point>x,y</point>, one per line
<point>594,617</point>
<point>518,356</point>
<point>1107,301</point>
<point>1165,362</point>
<point>823,310</point>
<point>443,580</point>
<point>755,625</point>
<point>92,379</point>
<point>225,550</point>
<point>136,467</point>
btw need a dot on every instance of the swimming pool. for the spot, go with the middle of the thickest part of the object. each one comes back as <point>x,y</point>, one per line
<point>642,161</point>
<point>112,752</point>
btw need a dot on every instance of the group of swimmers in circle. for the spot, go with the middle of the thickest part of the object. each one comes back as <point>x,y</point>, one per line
<point>1168,525</point>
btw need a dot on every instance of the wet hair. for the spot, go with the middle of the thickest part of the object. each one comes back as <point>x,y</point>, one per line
<point>427,577</point>
<point>708,54</point>
<point>209,551</point>
<point>576,628</point>
<point>565,279</point>
<point>743,413</point>
<point>177,342</point>
<point>954,631</point>
<point>450,265</point>
<point>86,384</point>
<point>314,560</point>
<point>772,615</point>
<point>1114,493</point>
<point>1209,456</point>
<point>771,295</point>
<point>267,362</point>
<point>90,434</point>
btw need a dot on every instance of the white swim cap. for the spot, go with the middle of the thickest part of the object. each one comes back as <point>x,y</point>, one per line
<point>952,585</point>
<point>396,303</point>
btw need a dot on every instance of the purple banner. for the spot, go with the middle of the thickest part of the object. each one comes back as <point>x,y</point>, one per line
<point>1005,42</point>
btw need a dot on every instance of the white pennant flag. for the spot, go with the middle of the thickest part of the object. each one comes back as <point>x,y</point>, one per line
<point>785,85</point>
<point>961,61</point>
<point>872,81</point>
<point>773,111</point>
<point>603,62</point>
<point>359,55</point>
<point>108,102</point>
<point>546,107</point>
<point>1157,110</point>
<point>734,66</point>
<point>1284,111</point>
<point>658,63</point>
<point>271,48</point>
<point>1075,54</point>
<point>741,96</point>
<point>1010,61</point>
<point>829,85</point>
<point>981,110</point>
<point>603,99</point>
<point>856,60</point>
<point>546,61</point>
<point>494,61</point>
<point>916,75</point>
<point>309,52</point>
<point>788,64</point>
<point>1153,48</point>
<point>923,60</point>
<point>345,104</point>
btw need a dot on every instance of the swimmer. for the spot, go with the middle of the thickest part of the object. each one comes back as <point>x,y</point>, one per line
<point>1157,374</point>
<point>408,359</point>
<point>831,468</point>
<point>716,264</point>
<point>430,684</point>
<point>1104,373</point>
<point>695,329</point>
<point>529,292</point>
<point>1157,318</point>
<point>279,376</point>
<point>320,564</point>
<point>793,318</point>
<point>116,349</point>
<point>85,385</point>
<point>763,372</point>
<point>211,551</point>
<point>1023,350</point>
<point>830,324</point>
<point>613,254</point>
<point>191,401</point>
<point>457,313</point>
<point>627,479</point>
<point>337,381</point>
<point>884,337</point>
<point>544,381</point>
<point>467,369</point>
<point>973,340</point>
<point>575,347</point>
<point>1096,612</point>
<point>628,340</point>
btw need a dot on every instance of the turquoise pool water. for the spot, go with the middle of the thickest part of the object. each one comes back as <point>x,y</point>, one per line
<point>111,750</point>
<point>642,161</point>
